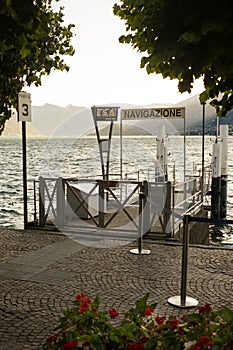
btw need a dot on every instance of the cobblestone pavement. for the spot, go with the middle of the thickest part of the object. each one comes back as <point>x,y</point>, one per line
<point>41,272</point>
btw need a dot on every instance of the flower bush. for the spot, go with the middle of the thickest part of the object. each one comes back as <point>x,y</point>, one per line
<point>85,326</point>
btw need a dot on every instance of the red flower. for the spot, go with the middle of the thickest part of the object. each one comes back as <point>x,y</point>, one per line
<point>144,339</point>
<point>52,338</point>
<point>113,313</point>
<point>159,319</point>
<point>173,323</point>
<point>82,298</point>
<point>135,346</point>
<point>84,301</point>
<point>71,345</point>
<point>83,307</point>
<point>180,330</point>
<point>149,310</point>
<point>183,317</point>
<point>86,344</point>
<point>204,340</point>
<point>205,308</point>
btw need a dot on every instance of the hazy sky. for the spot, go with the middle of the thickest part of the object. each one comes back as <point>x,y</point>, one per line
<point>103,70</point>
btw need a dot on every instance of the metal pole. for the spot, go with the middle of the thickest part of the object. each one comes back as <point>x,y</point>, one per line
<point>224,171</point>
<point>140,250</point>
<point>146,208</point>
<point>167,209</point>
<point>185,151</point>
<point>35,207</point>
<point>60,203</point>
<point>203,151</point>
<point>121,165</point>
<point>41,201</point>
<point>24,149</point>
<point>182,300</point>
<point>101,203</point>
<point>184,259</point>
<point>216,180</point>
<point>185,185</point>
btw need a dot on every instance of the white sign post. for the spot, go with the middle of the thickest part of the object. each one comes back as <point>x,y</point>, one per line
<point>24,115</point>
<point>24,107</point>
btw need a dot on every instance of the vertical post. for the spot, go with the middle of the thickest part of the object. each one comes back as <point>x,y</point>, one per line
<point>183,300</point>
<point>140,250</point>
<point>140,221</point>
<point>121,160</point>
<point>162,152</point>
<point>223,193</point>
<point>41,202</point>
<point>167,209</point>
<point>60,203</point>
<point>108,151</point>
<point>184,153</point>
<point>101,203</point>
<point>24,115</point>
<point>185,184</point>
<point>24,149</point>
<point>173,209</point>
<point>184,259</point>
<point>216,180</point>
<point>146,208</point>
<point>35,208</point>
<point>203,151</point>
<point>121,149</point>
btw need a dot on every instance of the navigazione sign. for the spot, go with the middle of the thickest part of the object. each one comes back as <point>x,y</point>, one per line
<point>153,113</point>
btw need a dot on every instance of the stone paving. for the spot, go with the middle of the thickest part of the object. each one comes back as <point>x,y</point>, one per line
<point>42,271</point>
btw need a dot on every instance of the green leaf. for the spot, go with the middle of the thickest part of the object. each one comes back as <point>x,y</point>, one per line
<point>227,314</point>
<point>203,97</point>
<point>192,318</point>
<point>24,52</point>
<point>151,343</point>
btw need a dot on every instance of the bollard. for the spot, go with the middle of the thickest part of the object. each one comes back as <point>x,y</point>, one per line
<point>140,249</point>
<point>182,300</point>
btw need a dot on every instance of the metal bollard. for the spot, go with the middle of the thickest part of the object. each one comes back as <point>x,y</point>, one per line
<point>182,300</point>
<point>140,249</point>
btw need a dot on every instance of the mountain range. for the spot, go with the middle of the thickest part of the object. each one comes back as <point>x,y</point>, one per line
<point>74,121</point>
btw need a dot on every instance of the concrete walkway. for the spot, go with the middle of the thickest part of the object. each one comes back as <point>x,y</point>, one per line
<point>42,271</point>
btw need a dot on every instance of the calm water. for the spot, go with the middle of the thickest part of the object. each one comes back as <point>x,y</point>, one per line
<point>80,157</point>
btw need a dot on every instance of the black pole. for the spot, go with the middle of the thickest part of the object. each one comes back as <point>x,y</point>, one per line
<point>203,151</point>
<point>25,211</point>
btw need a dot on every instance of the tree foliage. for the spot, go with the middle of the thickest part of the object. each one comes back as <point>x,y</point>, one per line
<point>184,40</point>
<point>33,41</point>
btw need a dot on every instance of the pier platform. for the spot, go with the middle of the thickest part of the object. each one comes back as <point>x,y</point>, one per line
<point>41,271</point>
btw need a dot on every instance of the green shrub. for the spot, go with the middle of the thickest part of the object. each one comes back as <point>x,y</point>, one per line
<point>84,326</point>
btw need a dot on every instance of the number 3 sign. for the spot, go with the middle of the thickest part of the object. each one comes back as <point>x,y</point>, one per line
<point>24,107</point>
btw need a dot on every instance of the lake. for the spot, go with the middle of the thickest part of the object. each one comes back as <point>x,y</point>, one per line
<point>70,157</point>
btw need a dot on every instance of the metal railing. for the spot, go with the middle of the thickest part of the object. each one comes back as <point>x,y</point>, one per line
<point>57,200</point>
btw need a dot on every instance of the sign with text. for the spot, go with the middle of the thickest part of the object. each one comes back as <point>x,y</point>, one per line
<point>153,113</point>
<point>105,113</point>
<point>24,107</point>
